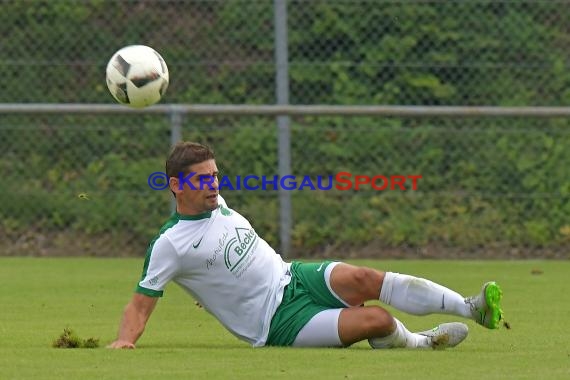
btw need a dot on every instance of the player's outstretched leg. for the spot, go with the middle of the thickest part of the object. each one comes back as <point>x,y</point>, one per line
<point>485,307</point>
<point>419,296</point>
<point>415,295</point>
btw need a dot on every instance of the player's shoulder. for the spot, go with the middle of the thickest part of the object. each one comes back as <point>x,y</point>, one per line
<point>163,244</point>
<point>224,209</point>
<point>169,233</point>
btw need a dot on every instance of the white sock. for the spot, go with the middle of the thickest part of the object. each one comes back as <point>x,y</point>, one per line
<point>419,296</point>
<point>400,338</point>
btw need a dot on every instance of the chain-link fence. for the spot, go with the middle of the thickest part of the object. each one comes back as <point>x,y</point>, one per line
<point>490,187</point>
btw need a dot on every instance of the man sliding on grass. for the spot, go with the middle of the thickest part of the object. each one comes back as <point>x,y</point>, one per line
<point>214,254</point>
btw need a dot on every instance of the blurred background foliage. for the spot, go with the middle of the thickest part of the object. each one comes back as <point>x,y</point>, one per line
<point>490,187</point>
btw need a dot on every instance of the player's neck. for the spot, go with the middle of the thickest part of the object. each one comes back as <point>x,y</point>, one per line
<point>191,211</point>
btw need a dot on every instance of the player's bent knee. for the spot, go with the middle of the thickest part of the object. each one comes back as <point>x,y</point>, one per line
<point>378,321</point>
<point>356,285</point>
<point>367,278</point>
<point>356,324</point>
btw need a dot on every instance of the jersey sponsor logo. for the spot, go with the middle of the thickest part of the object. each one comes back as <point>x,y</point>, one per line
<point>224,211</point>
<point>239,247</point>
<point>211,261</point>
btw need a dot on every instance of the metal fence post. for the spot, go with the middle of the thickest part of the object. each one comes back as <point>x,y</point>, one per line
<point>283,131</point>
<point>175,136</point>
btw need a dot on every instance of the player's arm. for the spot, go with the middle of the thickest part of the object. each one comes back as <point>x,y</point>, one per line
<point>161,265</point>
<point>135,317</point>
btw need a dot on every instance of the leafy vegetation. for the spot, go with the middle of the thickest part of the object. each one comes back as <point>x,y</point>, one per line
<point>493,183</point>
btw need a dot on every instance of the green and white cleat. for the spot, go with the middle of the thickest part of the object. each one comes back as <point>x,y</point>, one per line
<point>486,306</point>
<point>446,335</point>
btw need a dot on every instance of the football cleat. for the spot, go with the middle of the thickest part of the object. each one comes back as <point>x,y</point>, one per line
<point>486,306</point>
<point>446,335</point>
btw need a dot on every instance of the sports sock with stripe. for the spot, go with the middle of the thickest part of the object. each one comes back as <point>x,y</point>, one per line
<point>419,296</point>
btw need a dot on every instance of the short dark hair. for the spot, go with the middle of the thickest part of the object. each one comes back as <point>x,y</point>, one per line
<point>184,154</point>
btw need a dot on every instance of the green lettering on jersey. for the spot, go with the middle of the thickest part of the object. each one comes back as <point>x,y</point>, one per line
<point>239,247</point>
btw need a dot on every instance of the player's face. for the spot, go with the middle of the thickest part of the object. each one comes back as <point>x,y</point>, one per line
<point>197,192</point>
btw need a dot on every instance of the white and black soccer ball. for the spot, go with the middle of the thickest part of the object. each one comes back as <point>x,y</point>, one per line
<point>137,76</point>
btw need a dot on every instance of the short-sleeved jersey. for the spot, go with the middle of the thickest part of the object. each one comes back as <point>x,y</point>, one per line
<point>219,259</point>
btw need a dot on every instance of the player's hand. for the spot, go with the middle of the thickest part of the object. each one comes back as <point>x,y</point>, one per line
<point>118,344</point>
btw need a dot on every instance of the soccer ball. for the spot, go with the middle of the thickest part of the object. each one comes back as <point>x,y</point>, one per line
<point>137,76</point>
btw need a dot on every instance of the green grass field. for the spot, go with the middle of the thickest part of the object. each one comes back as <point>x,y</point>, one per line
<point>41,297</point>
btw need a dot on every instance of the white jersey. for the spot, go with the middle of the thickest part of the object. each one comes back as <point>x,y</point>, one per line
<point>220,260</point>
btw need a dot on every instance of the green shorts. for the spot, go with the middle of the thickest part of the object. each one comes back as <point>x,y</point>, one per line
<point>306,295</point>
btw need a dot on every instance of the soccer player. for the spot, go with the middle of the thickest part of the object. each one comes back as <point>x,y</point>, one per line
<point>214,253</point>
